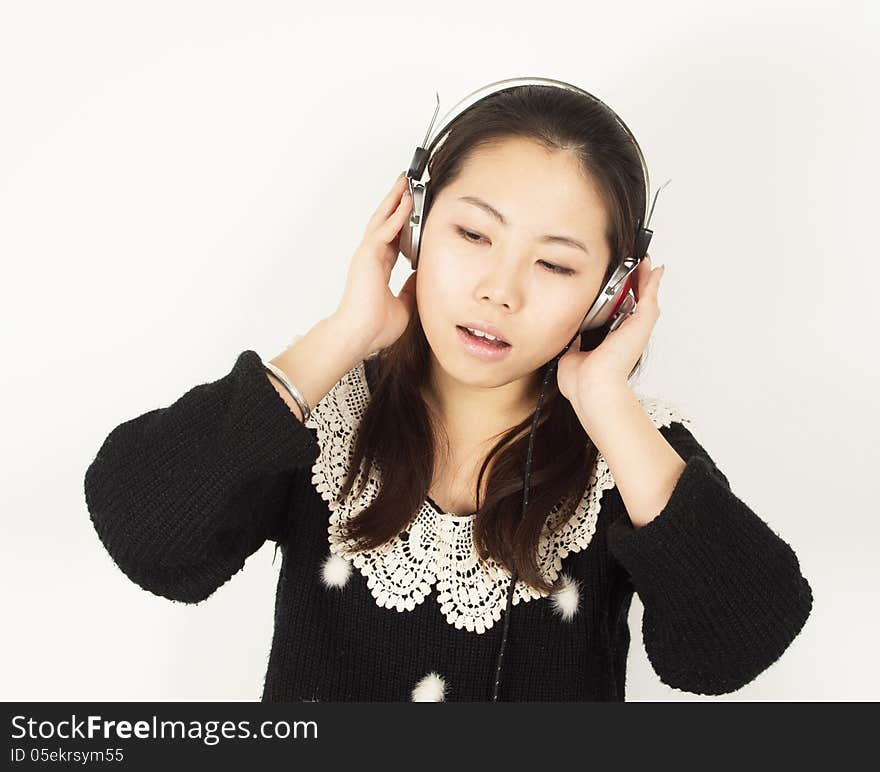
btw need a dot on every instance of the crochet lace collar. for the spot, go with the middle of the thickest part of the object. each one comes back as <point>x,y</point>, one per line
<point>438,550</point>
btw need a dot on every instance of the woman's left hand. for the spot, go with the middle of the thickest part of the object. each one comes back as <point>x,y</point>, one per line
<point>612,361</point>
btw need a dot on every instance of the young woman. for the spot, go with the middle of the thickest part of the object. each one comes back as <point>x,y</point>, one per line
<point>397,499</point>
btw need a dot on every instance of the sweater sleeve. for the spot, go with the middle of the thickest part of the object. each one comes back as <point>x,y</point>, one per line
<point>723,594</point>
<point>182,495</point>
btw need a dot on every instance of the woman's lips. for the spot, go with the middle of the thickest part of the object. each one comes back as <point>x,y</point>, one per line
<point>480,348</point>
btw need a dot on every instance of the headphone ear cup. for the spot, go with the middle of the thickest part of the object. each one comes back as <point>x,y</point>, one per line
<point>607,309</point>
<point>406,243</point>
<point>411,232</point>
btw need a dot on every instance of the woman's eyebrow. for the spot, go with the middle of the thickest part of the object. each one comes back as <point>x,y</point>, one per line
<point>486,207</point>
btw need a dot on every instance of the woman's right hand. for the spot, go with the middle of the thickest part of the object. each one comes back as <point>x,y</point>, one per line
<point>369,311</point>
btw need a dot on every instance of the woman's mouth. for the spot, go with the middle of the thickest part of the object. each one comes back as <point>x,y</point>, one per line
<point>482,347</point>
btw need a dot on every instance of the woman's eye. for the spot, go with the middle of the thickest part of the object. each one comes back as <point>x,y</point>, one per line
<point>474,238</point>
<point>469,235</point>
<point>557,268</point>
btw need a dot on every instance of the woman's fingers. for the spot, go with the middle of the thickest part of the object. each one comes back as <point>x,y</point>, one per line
<point>391,227</point>
<point>389,203</point>
<point>660,271</point>
<point>649,284</point>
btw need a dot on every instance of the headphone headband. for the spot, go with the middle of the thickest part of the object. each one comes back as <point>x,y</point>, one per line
<point>428,146</point>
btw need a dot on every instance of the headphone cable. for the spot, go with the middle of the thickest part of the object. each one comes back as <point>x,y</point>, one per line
<point>528,469</point>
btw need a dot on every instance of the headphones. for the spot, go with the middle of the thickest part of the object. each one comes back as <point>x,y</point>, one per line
<point>614,303</point>
<point>615,300</point>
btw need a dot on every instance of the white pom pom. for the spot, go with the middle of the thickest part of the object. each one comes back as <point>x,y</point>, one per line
<point>566,598</point>
<point>336,571</point>
<point>431,688</point>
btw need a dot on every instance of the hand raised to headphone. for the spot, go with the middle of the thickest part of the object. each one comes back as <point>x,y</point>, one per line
<point>372,314</point>
<point>613,360</point>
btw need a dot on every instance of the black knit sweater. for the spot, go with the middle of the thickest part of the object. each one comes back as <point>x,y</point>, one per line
<point>181,496</point>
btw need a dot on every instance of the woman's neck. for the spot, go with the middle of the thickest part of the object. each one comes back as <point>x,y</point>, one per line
<point>474,414</point>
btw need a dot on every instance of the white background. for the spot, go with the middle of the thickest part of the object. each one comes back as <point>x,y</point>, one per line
<point>180,181</point>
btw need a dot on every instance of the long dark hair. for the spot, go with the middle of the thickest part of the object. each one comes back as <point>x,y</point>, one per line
<point>397,433</point>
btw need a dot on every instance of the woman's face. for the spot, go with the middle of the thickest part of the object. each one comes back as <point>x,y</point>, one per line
<point>472,266</point>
